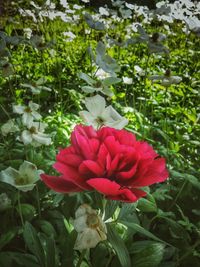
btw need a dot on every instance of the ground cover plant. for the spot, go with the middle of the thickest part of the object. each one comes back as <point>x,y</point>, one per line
<point>99,134</point>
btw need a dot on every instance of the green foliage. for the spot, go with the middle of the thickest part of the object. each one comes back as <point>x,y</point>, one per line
<point>57,71</point>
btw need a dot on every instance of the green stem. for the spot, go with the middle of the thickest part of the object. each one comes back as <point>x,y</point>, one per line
<point>178,195</point>
<point>38,201</point>
<point>81,257</point>
<point>20,210</point>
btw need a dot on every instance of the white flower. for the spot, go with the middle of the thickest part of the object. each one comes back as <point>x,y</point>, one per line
<point>90,227</point>
<point>9,127</point>
<point>5,202</point>
<point>27,32</point>
<point>35,136</point>
<point>167,79</point>
<point>29,113</point>
<point>103,11</point>
<point>70,36</point>
<point>139,70</point>
<point>23,179</point>
<point>130,6</point>
<point>127,80</point>
<point>37,86</point>
<point>100,115</point>
<point>101,74</point>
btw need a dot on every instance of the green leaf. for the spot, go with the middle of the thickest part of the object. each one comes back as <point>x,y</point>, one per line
<point>7,259</point>
<point>119,246</point>
<point>147,254</point>
<point>33,243</point>
<point>47,228</point>
<point>28,211</point>
<point>6,238</point>
<point>188,177</point>
<point>126,210</point>
<point>111,206</point>
<point>146,205</point>
<point>142,231</point>
<point>50,252</point>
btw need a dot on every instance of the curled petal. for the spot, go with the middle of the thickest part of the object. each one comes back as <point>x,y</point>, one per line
<point>59,184</point>
<point>112,190</point>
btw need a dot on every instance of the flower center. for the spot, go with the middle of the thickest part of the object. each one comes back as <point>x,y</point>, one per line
<point>33,130</point>
<point>168,73</point>
<point>28,110</point>
<point>98,84</point>
<point>155,37</point>
<point>23,180</point>
<point>99,120</point>
<point>92,221</point>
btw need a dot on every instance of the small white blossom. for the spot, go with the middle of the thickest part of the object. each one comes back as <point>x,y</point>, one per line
<point>90,227</point>
<point>36,86</point>
<point>100,115</point>
<point>167,79</point>
<point>23,179</point>
<point>103,11</point>
<point>29,113</point>
<point>35,136</point>
<point>9,127</point>
<point>139,70</point>
<point>101,74</point>
<point>127,80</point>
<point>70,36</point>
<point>27,33</point>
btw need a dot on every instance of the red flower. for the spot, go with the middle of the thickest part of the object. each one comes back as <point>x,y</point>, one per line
<point>109,161</point>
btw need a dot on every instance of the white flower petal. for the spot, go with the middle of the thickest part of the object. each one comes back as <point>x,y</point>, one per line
<point>120,124</point>
<point>25,188</point>
<point>26,137</point>
<point>95,104</point>
<point>9,127</point>
<point>89,238</point>
<point>36,115</point>
<point>27,119</point>
<point>114,115</point>
<point>29,170</point>
<point>87,117</point>
<point>80,223</point>
<point>175,79</point>
<point>33,106</point>
<point>127,80</point>
<point>41,138</point>
<point>18,109</point>
<point>113,119</point>
<point>9,175</point>
<point>83,209</point>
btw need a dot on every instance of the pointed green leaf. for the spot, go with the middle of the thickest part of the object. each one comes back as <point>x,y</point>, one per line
<point>33,243</point>
<point>119,246</point>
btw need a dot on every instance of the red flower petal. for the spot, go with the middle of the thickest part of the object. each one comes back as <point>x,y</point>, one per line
<point>71,174</point>
<point>59,184</point>
<point>156,173</point>
<point>90,167</point>
<point>112,190</point>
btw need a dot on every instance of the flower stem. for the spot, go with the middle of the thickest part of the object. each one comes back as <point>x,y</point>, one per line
<point>38,201</point>
<point>81,257</point>
<point>20,209</point>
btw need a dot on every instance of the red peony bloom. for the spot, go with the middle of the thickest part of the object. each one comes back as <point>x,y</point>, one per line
<point>109,161</point>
